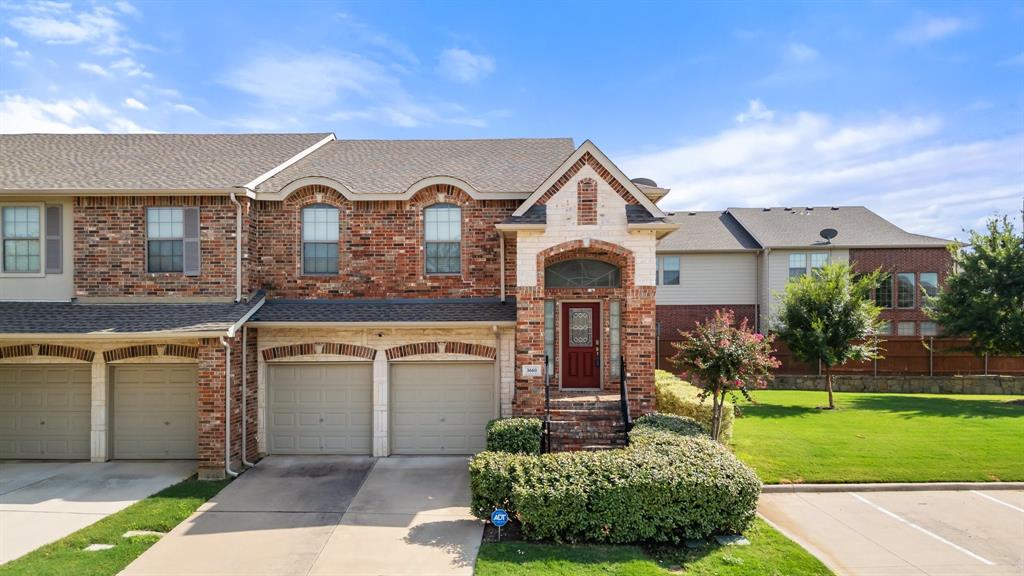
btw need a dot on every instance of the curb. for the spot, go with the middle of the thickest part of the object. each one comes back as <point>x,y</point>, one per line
<point>888,487</point>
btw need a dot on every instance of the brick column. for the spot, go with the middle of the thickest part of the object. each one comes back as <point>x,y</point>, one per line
<point>212,402</point>
<point>529,392</point>
<point>99,446</point>
<point>638,345</point>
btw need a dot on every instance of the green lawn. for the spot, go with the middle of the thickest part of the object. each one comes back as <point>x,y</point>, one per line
<point>881,437</point>
<point>769,554</point>
<point>160,512</point>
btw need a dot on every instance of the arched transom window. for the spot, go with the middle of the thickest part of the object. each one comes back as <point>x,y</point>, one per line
<point>442,224</point>
<point>582,273</point>
<point>320,239</point>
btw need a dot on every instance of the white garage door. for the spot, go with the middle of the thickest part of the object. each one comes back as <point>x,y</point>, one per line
<point>320,408</point>
<point>440,408</point>
<point>44,411</point>
<point>155,411</point>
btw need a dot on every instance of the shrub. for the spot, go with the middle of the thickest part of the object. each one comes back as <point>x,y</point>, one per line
<point>682,425</point>
<point>515,435</point>
<point>674,396</point>
<point>665,487</point>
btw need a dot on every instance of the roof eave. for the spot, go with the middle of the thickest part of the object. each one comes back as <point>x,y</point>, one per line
<point>119,191</point>
<point>403,324</point>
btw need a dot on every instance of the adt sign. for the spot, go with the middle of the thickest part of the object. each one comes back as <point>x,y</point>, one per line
<point>499,517</point>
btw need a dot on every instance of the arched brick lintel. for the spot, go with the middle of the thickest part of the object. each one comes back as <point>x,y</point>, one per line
<point>140,350</point>
<point>420,348</point>
<point>52,350</point>
<point>596,250</point>
<point>311,348</point>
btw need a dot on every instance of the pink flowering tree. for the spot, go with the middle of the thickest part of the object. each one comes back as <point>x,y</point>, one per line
<point>724,358</point>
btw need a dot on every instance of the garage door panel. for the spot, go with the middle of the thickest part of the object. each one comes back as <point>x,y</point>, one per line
<point>45,411</point>
<point>321,408</point>
<point>440,408</point>
<point>155,412</point>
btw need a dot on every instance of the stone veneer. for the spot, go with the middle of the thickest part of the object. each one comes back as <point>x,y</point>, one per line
<point>906,384</point>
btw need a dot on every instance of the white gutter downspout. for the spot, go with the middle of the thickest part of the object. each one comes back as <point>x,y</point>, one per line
<point>501,262</point>
<point>238,247</point>
<point>227,419</point>
<point>245,394</point>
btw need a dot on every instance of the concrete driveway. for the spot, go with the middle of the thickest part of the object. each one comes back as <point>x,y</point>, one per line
<point>325,515</point>
<point>41,502</point>
<point>906,533</point>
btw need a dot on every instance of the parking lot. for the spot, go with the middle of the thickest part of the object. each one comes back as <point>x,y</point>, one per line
<point>906,533</point>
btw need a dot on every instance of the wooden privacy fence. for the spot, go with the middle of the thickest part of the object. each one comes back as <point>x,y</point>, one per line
<point>927,357</point>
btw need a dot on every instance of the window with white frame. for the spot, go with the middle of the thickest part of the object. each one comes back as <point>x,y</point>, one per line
<point>165,239</point>
<point>905,290</point>
<point>21,229</point>
<point>905,329</point>
<point>929,329</point>
<point>818,260</point>
<point>797,265</point>
<point>883,292</point>
<point>884,328</point>
<point>442,225</point>
<point>319,239</point>
<point>668,270</point>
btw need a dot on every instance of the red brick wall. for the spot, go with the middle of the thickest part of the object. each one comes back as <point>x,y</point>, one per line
<point>110,248</point>
<point>381,247</point>
<point>896,260</point>
<point>211,420</point>
<point>586,202</point>
<point>682,317</point>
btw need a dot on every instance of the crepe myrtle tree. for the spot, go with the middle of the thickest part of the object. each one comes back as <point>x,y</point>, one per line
<point>828,317</point>
<point>722,357</point>
<point>983,299</point>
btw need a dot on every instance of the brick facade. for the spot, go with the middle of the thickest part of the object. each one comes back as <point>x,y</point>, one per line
<point>212,398</point>
<point>586,202</point>
<point>110,248</point>
<point>896,260</point>
<point>674,318</point>
<point>381,247</point>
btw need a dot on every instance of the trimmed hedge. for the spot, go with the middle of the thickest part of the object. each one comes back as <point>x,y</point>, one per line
<point>665,487</point>
<point>675,396</point>
<point>515,435</point>
<point>681,425</point>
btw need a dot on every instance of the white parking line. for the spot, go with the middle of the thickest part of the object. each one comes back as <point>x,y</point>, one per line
<point>998,501</point>
<point>916,527</point>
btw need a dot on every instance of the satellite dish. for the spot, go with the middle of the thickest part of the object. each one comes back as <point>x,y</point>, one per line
<point>828,234</point>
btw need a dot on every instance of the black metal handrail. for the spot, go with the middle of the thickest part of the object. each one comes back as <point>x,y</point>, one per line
<point>623,398</point>
<point>547,404</point>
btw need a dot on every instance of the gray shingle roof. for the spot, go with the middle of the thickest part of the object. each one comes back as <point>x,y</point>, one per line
<point>636,214</point>
<point>536,214</point>
<point>143,161</point>
<point>126,319</point>
<point>706,232</point>
<point>799,227</point>
<point>399,310</point>
<point>392,166</point>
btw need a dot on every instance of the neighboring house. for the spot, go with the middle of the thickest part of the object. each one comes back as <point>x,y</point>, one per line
<point>219,297</point>
<point>742,258</point>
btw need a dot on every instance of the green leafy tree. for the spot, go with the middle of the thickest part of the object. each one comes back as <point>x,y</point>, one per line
<point>983,299</point>
<point>721,357</point>
<point>828,317</point>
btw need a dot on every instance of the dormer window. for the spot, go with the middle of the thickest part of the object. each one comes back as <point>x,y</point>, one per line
<point>320,240</point>
<point>442,229</point>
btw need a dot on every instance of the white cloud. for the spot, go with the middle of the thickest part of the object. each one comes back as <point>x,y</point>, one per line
<point>925,30</point>
<point>134,104</point>
<point>127,8</point>
<point>130,68</point>
<point>93,69</point>
<point>19,114</point>
<point>6,42</point>
<point>1017,60</point>
<point>898,166</point>
<point>801,52</point>
<point>185,108</point>
<point>59,23</point>
<point>756,111</point>
<point>463,66</point>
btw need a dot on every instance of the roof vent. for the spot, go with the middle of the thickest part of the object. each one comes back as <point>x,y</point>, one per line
<point>835,207</point>
<point>766,209</point>
<point>809,208</point>
<point>828,234</point>
<point>644,182</point>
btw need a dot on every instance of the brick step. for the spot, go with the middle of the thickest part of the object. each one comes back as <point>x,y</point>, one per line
<point>584,415</point>
<point>584,405</point>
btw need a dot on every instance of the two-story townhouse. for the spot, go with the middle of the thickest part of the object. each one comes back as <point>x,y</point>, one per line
<point>742,258</point>
<point>220,297</point>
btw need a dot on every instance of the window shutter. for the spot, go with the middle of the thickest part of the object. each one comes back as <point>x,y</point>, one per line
<point>54,240</point>
<point>190,248</point>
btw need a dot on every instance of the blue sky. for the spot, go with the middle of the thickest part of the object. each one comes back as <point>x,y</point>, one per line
<point>913,109</point>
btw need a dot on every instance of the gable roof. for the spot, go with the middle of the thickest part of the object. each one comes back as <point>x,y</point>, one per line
<point>395,167</point>
<point>143,162</point>
<point>589,147</point>
<point>706,232</point>
<point>857,226</point>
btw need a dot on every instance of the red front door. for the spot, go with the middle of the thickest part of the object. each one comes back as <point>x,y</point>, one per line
<point>581,345</point>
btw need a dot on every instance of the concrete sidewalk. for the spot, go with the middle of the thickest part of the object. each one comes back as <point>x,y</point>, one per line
<point>41,502</point>
<point>906,533</point>
<point>326,515</point>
